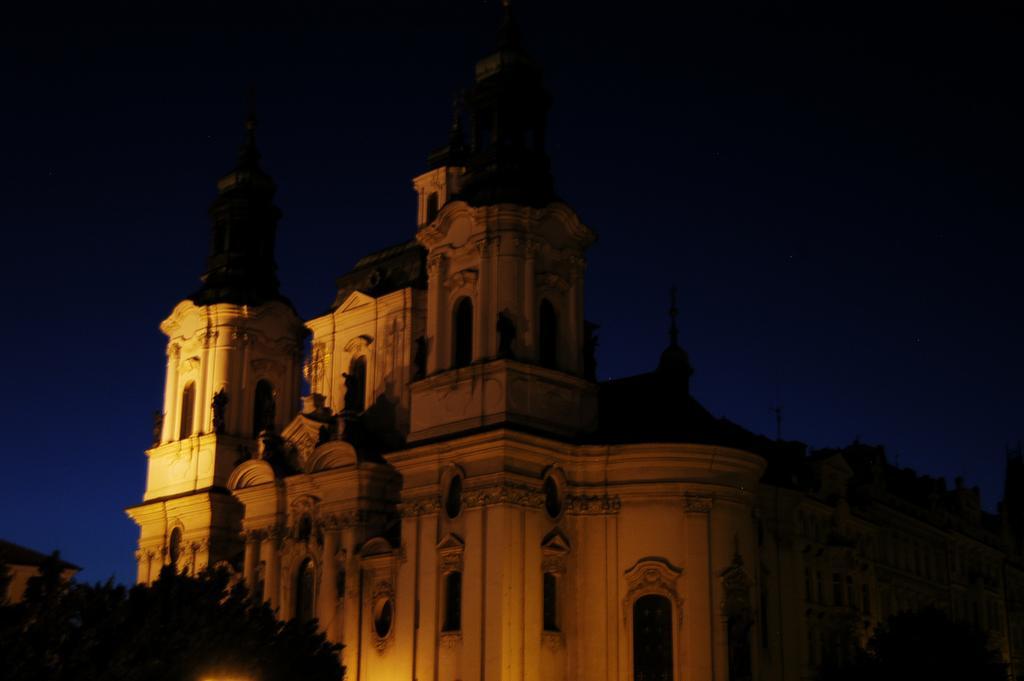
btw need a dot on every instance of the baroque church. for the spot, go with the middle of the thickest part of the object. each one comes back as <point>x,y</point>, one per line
<point>432,472</point>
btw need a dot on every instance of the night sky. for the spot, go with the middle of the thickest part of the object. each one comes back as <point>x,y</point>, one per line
<point>834,188</point>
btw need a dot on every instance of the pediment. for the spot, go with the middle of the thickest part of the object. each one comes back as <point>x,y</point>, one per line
<point>355,300</point>
<point>451,542</point>
<point>555,543</point>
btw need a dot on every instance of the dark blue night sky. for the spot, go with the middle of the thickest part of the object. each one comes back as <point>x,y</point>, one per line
<point>835,191</point>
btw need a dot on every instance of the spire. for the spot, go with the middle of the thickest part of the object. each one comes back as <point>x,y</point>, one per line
<point>508,31</point>
<point>240,268</point>
<point>674,359</point>
<point>507,109</point>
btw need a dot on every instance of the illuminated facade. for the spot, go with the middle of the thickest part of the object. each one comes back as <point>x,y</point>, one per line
<point>455,497</point>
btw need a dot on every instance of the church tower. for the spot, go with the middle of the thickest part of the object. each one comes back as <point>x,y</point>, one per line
<point>234,356</point>
<point>505,258</point>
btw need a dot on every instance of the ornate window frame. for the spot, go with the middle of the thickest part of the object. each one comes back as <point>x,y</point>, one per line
<point>451,552</point>
<point>380,564</point>
<point>555,550</point>
<point>654,575</point>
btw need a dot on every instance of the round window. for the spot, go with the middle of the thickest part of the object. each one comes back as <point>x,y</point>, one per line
<point>382,618</point>
<point>552,501</point>
<point>453,500</point>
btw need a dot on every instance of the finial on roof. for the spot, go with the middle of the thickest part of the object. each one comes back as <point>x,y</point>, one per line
<point>674,358</point>
<point>508,32</point>
<point>248,155</point>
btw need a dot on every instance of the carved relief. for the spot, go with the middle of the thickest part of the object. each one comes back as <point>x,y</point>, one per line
<point>552,280</point>
<point>592,504</point>
<point>696,504</point>
<point>467,277</point>
<point>652,575</point>
<point>420,506</point>
<point>504,493</point>
<point>450,551</point>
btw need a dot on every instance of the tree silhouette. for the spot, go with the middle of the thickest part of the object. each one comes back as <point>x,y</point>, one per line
<point>925,645</point>
<point>179,629</point>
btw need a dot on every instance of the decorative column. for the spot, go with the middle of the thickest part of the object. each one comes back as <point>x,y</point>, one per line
<point>271,554</point>
<point>485,317</point>
<point>203,393</point>
<point>351,600</point>
<point>328,607</point>
<point>436,315</point>
<point>252,558</point>
<point>528,334</point>
<point>700,620</point>
<point>171,394</point>
<point>221,371</point>
<point>575,327</point>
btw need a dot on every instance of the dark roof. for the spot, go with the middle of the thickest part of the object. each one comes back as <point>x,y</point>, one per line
<point>13,554</point>
<point>657,407</point>
<point>385,271</point>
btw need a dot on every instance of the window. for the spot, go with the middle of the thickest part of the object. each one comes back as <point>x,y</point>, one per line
<point>740,662</point>
<point>174,546</point>
<point>383,613</point>
<point>188,409</point>
<point>550,607</point>
<point>263,408</point>
<point>462,338</point>
<point>808,585</point>
<point>304,586</point>
<point>821,588</point>
<point>866,598</point>
<point>851,593</point>
<point>452,602</point>
<point>453,500</point>
<point>652,639</point>
<point>355,385</point>
<point>432,206</point>
<point>305,528</point>
<point>552,500</point>
<point>837,589</point>
<point>548,335</point>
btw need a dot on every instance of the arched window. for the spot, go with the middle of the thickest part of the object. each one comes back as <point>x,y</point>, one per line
<point>452,602</point>
<point>188,409</point>
<point>550,606</point>
<point>174,546</point>
<point>355,385</point>
<point>432,206</point>
<point>305,581</point>
<point>263,408</point>
<point>462,336</point>
<point>547,335</point>
<point>652,639</point>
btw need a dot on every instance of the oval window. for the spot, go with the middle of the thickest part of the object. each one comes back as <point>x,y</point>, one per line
<point>552,501</point>
<point>453,500</point>
<point>174,546</point>
<point>383,617</point>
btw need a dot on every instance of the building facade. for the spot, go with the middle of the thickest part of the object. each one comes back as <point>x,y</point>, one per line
<point>453,496</point>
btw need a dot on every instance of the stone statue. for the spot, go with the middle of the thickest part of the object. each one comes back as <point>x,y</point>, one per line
<point>420,359</point>
<point>158,427</point>
<point>352,388</point>
<point>506,335</point>
<point>219,405</point>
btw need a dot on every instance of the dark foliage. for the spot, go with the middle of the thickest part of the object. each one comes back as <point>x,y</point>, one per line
<point>924,645</point>
<point>178,629</point>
